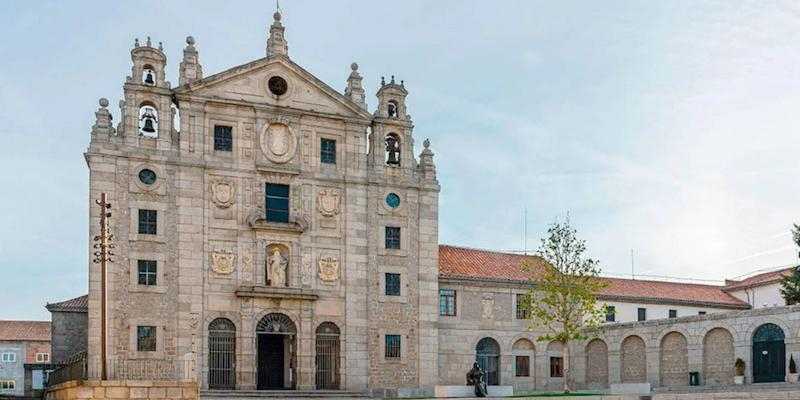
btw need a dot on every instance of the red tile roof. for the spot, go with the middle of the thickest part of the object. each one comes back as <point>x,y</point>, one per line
<point>25,330</point>
<point>466,263</point>
<point>79,304</point>
<point>765,278</point>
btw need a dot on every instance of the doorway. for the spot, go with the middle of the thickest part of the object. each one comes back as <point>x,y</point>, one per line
<point>275,353</point>
<point>769,354</point>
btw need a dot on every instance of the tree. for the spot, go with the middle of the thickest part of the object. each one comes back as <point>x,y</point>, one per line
<point>790,284</point>
<point>563,299</point>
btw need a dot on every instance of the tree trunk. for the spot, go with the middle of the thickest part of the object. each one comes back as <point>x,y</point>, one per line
<point>567,371</point>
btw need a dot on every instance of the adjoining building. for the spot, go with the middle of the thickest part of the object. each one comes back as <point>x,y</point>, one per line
<point>69,325</point>
<point>760,290</point>
<point>24,357</point>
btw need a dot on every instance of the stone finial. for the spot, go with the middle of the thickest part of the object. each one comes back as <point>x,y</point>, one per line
<point>276,44</point>
<point>426,164</point>
<point>149,42</point>
<point>102,128</point>
<point>392,82</point>
<point>355,91</point>
<point>160,46</point>
<point>136,42</point>
<point>103,102</point>
<point>427,144</point>
<point>383,81</point>
<point>190,68</point>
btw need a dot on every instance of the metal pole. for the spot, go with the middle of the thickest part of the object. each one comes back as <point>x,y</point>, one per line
<point>103,256</point>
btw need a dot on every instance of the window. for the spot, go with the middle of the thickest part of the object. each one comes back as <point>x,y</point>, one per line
<point>611,313</point>
<point>223,138</point>
<point>523,310</point>
<point>9,357</point>
<point>147,272</point>
<point>556,367</point>
<point>277,203</point>
<point>392,284</point>
<point>701,313</point>
<point>642,314</point>
<point>391,109</point>
<point>147,222</point>
<point>146,338</point>
<point>523,366</point>
<point>392,237</point>
<point>42,357</point>
<point>392,346</point>
<point>673,313</point>
<point>447,302</point>
<point>8,385</point>
<point>327,151</point>
<point>147,176</point>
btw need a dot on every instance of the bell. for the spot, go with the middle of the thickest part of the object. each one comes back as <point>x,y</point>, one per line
<point>148,126</point>
<point>392,150</point>
<point>149,78</point>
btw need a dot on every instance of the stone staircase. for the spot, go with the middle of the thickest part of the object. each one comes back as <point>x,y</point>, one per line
<point>280,394</point>
<point>752,387</point>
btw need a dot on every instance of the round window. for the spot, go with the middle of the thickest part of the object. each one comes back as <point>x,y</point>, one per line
<point>147,176</point>
<point>278,86</point>
<point>393,200</point>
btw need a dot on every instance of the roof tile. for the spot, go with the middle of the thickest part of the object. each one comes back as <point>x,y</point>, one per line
<point>25,330</point>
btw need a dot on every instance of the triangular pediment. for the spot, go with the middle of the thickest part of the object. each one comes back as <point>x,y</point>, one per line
<point>248,83</point>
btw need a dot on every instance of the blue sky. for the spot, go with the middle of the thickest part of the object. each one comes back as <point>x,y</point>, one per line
<point>670,128</point>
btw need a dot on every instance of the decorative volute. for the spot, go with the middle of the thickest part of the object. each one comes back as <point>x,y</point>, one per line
<point>276,44</point>
<point>354,91</point>
<point>190,68</point>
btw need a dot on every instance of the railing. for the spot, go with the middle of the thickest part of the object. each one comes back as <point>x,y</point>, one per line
<point>74,369</point>
<point>124,369</point>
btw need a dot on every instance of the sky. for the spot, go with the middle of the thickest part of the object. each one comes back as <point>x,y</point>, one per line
<point>663,129</point>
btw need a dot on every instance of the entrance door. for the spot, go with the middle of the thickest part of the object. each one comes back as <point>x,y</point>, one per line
<point>769,354</point>
<point>487,355</point>
<point>221,354</point>
<point>327,360</point>
<point>270,362</point>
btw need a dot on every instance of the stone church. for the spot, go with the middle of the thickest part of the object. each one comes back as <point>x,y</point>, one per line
<point>273,233</point>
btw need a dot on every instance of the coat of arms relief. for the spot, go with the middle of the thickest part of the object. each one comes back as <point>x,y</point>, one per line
<point>278,141</point>
<point>223,192</point>
<point>328,269</point>
<point>222,261</point>
<point>328,202</point>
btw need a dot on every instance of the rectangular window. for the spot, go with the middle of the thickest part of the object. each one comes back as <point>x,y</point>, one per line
<point>701,313</point>
<point>392,237</point>
<point>148,222</point>
<point>223,138</point>
<point>392,346</point>
<point>8,385</point>
<point>277,203</point>
<point>42,357</point>
<point>9,357</point>
<point>146,338</point>
<point>447,302</point>
<point>327,151</point>
<point>673,313</point>
<point>147,272</point>
<point>611,313</point>
<point>523,310</point>
<point>642,314</point>
<point>556,367</point>
<point>392,284</point>
<point>523,364</point>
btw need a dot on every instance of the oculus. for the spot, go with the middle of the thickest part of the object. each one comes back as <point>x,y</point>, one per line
<point>147,176</point>
<point>277,86</point>
<point>393,200</point>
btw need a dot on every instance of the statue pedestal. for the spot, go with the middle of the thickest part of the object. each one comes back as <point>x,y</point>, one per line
<point>469,391</point>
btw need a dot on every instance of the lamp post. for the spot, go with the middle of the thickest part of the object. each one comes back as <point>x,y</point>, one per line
<point>102,255</point>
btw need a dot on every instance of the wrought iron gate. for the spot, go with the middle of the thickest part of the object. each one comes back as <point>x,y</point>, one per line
<point>327,356</point>
<point>221,354</point>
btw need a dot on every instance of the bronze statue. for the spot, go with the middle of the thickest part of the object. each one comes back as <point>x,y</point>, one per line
<point>475,378</point>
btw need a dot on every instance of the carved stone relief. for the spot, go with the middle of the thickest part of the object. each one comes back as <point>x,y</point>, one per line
<point>278,141</point>
<point>222,261</point>
<point>328,269</point>
<point>487,300</point>
<point>328,202</point>
<point>223,193</point>
<point>305,272</point>
<point>247,264</point>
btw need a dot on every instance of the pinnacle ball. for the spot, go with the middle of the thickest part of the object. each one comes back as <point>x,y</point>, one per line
<point>277,16</point>
<point>190,40</point>
<point>354,66</point>
<point>103,102</point>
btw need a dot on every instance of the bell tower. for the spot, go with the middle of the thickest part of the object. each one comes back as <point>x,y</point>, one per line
<point>392,140</point>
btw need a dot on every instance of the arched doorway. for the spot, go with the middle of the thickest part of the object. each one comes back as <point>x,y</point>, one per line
<point>221,354</point>
<point>769,354</point>
<point>276,347</point>
<point>327,360</point>
<point>487,355</point>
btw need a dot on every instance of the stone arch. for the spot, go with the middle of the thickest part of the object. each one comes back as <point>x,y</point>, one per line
<point>674,360</point>
<point>718,357</point>
<point>751,330</point>
<point>691,339</point>
<point>633,360</point>
<point>394,148</point>
<point>596,364</point>
<point>487,355</point>
<point>148,117</point>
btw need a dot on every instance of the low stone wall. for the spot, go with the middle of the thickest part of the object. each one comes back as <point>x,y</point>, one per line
<point>89,390</point>
<point>754,395</point>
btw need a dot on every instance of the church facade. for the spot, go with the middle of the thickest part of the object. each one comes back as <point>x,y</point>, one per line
<point>271,233</point>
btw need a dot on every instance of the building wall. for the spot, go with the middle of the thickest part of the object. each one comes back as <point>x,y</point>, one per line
<point>628,312</point>
<point>13,371</point>
<point>69,333</point>
<point>761,296</point>
<point>33,348</point>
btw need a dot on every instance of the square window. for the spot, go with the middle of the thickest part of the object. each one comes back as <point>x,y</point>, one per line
<point>223,138</point>
<point>9,357</point>
<point>556,367</point>
<point>42,357</point>
<point>392,237</point>
<point>148,272</point>
<point>327,151</point>
<point>523,366</point>
<point>673,313</point>
<point>523,310</point>
<point>447,302</point>
<point>277,203</point>
<point>148,222</point>
<point>8,385</point>
<point>392,349</point>
<point>392,284</point>
<point>146,338</point>
<point>611,313</point>
<point>642,314</point>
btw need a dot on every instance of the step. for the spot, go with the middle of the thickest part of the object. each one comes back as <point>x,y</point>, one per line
<point>751,387</point>
<point>280,394</point>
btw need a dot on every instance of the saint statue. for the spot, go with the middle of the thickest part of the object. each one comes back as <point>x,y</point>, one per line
<point>276,268</point>
<point>475,378</point>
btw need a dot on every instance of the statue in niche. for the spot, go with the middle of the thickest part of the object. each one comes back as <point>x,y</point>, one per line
<point>276,268</point>
<point>475,378</point>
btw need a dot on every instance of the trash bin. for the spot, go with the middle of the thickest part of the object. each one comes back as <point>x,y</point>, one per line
<point>694,378</point>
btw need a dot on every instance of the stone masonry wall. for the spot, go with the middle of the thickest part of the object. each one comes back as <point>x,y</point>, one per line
<point>69,332</point>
